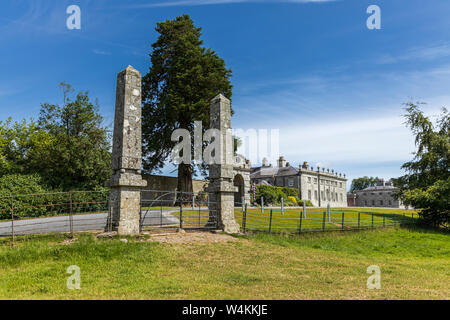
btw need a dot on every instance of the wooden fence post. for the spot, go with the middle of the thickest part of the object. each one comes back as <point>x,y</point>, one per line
<point>244,220</point>
<point>300,225</point>
<point>71,214</point>
<point>12,222</point>
<point>181,214</point>
<point>304,209</point>
<point>262,204</point>
<point>323,221</point>
<point>270,221</point>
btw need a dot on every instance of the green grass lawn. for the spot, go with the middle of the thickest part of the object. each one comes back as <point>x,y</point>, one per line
<point>415,264</point>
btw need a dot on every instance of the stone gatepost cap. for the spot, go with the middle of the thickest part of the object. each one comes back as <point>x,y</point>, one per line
<point>220,97</point>
<point>130,69</point>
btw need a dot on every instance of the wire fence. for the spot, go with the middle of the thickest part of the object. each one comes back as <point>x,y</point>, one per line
<point>311,220</point>
<point>78,211</point>
<point>172,209</point>
<point>58,212</point>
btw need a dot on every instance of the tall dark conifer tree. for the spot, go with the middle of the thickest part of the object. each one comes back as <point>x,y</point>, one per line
<point>183,78</point>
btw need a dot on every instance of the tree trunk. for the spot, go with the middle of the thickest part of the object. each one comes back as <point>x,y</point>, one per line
<point>184,184</point>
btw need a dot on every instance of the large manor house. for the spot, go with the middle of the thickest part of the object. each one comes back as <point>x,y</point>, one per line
<point>321,186</point>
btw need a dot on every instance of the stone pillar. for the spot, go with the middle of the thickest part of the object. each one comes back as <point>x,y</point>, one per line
<point>126,180</point>
<point>221,175</point>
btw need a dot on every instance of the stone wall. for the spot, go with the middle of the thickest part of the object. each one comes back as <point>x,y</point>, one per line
<point>165,183</point>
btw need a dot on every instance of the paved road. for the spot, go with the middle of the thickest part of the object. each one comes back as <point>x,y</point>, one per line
<point>85,222</point>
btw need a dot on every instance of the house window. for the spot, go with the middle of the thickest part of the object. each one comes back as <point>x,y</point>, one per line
<point>321,195</point>
<point>365,203</point>
<point>390,202</point>
<point>315,180</point>
<point>315,195</point>
<point>290,182</point>
<point>340,184</point>
<point>309,194</point>
<point>381,202</point>
<point>309,179</point>
<point>373,202</point>
<point>342,197</point>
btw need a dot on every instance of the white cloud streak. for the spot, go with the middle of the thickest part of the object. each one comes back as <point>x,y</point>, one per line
<point>217,2</point>
<point>429,53</point>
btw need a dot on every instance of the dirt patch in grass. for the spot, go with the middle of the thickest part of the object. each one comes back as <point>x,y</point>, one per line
<point>191,237</point>
<point>68,241</point>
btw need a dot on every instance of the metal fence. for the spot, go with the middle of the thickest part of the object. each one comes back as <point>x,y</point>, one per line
<point>77,211</point>
<point>299,220</point>
<point>69,212</point>
<point>53,213</point>
<point>172,209</point>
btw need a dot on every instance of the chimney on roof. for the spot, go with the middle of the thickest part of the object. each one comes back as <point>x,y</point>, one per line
<point>281,162</point>
<point>265,162</point>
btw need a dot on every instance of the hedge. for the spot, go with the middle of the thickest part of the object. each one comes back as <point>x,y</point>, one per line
<point>272,196</point>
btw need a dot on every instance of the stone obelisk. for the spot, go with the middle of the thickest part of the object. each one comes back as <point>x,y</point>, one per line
<point>126,180</point>
<point>221,188</point>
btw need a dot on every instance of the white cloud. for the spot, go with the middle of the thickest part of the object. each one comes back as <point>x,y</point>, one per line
<point>101,52</point>
<point>431,52</point>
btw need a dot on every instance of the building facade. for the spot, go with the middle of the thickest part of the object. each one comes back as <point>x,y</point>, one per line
<point>382,195</point>
<point>321,187</point>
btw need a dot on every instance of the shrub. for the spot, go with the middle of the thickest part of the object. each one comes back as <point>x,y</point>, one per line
<point>308,203</point>
<point>19,185</point>
<point>290,192</point>
<point>272,196</point>
<point>292,201</point>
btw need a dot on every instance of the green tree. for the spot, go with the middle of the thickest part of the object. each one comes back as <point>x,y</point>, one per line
<point>21,146</point>
<point>183,78</point>
<point>362,183</point>
<point>79,157</point>
<point>426,185</point>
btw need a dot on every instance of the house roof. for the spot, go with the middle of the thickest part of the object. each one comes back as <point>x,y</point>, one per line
<point>379,188</point>
<point>269,172</point>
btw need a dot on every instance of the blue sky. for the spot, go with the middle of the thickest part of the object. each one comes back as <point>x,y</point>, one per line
<point>311,69</point>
